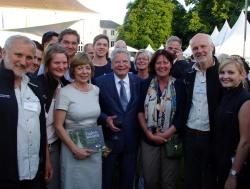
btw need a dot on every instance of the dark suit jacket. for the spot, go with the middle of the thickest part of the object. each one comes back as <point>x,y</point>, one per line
<point>111,105</point>
<point>214,92</point>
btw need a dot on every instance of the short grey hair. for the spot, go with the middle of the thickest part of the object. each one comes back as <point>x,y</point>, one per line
<point>172,39</point>
<point>12,39</point>
<point>145,52</point>
<point>209,39</point>
<point>119,51</point>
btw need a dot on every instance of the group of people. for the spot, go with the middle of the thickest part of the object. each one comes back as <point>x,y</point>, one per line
<point>50,89</point>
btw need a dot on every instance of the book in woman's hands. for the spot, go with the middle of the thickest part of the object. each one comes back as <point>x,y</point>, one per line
<point>89,137</point>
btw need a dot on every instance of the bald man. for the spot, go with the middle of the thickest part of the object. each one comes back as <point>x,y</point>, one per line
<point>203,96</point>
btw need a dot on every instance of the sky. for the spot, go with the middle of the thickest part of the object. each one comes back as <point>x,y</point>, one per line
<point>110,9</point>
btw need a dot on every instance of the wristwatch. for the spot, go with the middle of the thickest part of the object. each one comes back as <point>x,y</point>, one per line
<point>233,173</point>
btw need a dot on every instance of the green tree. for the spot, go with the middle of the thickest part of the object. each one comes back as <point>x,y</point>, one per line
<point>206,14</point>
<point>180,22</point>
<point>147,22</point>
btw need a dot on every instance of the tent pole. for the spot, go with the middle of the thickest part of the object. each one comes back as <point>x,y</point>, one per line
<point>245,31</point>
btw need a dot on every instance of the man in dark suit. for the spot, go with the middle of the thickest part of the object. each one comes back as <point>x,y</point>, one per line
<point>203,95</point>
<point>119,99</point>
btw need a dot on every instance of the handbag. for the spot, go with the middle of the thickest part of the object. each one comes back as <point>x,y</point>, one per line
<point>174,147</point>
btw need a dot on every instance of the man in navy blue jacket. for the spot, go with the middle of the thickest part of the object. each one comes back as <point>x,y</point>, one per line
<point>119,100</point>
<point>22,121</point>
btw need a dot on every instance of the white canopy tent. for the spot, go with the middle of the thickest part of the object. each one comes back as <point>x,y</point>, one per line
<point>161,47</point>
<point>6,34</point>
<point>235,41</point>
<point>150,49</point>
<point>62,5</point>
<point>214,34</point>
<point>130,49</point>
<point>40,30</point>
<point>223,35</point>
<point>187,52</point>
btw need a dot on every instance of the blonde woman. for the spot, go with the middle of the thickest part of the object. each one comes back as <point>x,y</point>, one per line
<point>77,107</point>
<point>232,129</point>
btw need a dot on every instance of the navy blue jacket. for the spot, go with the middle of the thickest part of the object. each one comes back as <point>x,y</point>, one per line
<point>111,105</point>
<point>9,178</point>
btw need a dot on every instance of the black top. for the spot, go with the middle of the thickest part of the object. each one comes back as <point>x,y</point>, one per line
<point>227,135</point>
<point>181,68</point>
<point>103,70</point>
<point>48,86</point>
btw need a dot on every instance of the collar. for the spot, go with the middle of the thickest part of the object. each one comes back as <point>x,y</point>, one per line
<point>197,68</point>
<point>117,79</point>
<point>25,79</point>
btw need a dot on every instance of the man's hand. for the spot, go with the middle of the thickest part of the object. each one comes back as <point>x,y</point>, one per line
<point>179,54</point>
<point>110,123</point>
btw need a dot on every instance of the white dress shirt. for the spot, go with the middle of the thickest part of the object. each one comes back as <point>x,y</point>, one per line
<point>28,131</point>
<point>126,85</point>
<point>198,116</point>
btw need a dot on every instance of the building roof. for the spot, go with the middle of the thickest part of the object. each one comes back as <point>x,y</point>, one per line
<point>108,24</point>
<point>63,5</point>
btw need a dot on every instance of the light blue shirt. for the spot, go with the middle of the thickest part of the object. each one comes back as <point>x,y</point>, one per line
<point>126,85</point>
<point>28,131</point>
<point>198,116</point>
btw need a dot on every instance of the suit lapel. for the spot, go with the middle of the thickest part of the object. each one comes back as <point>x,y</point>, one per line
<point>132,86</point>
<point>113,89</point>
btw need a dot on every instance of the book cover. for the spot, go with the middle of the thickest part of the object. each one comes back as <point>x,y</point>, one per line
<point>89,137</point>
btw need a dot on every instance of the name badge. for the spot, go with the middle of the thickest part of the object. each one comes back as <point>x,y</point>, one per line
<point>31,106</point>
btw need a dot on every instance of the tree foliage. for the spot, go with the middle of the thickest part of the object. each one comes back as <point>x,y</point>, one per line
<point>153,21</point>
<point>214,12</point>
<point>147,22</point>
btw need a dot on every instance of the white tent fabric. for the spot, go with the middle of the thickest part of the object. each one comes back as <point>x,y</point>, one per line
<point>64,5</point>
<point>6,34</point>
<point>161,47</point>
<point>40,30</point>
<point>130,49</point>
<point>235,41</point>
<point>214,34</point>
<point>187,52</point>
<point>150,49</point>
<point>223,35</point>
